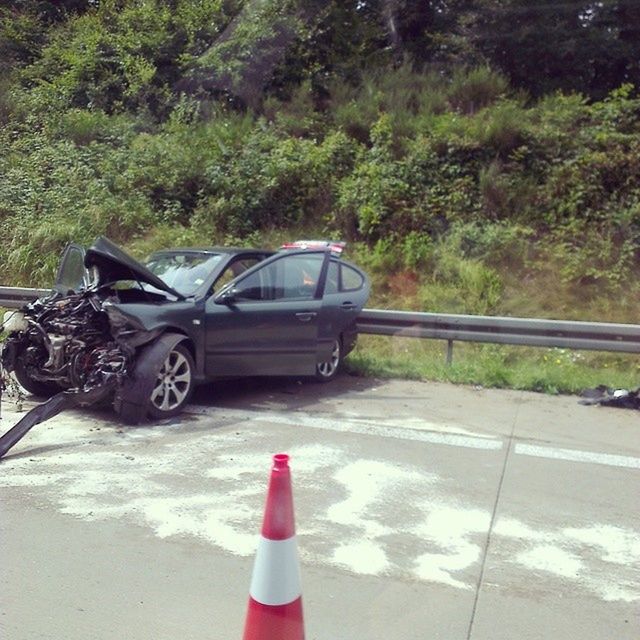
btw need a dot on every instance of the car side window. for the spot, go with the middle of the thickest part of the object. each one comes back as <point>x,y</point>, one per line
<point>300,276</point>
<point>351,280</point>
<point>288,278</point>
<point>260,285</point>
<point>233,271</point>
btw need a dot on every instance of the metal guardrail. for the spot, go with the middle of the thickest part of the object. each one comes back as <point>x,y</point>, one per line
<point>529,332</point>
<point>16,297</point>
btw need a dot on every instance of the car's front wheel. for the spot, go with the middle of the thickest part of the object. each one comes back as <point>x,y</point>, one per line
<point>174,383</point>
<point>38,388</point>
<point>328,369</point>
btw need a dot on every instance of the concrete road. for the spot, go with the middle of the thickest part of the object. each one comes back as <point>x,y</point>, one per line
<point>423,511</point>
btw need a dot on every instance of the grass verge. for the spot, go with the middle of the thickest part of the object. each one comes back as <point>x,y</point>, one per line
<point>545,370</point>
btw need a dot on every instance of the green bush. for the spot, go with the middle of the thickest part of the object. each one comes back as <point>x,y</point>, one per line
<point>461,285</point>
<point>471,91</point>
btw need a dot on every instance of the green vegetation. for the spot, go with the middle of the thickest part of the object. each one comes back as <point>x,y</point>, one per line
<point>470,169</point>
<point>545,370</point>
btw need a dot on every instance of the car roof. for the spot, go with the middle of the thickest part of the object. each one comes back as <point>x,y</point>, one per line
<point>227,250</point>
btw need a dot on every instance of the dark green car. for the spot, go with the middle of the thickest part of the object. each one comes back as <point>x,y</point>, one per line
<point>150,332</point>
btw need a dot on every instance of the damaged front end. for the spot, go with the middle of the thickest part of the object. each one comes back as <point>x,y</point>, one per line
<point>63,342</point>
<point>62,346</point>
<point>75,347</point>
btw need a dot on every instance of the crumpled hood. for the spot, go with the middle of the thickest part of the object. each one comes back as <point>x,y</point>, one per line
<point>114,264</point>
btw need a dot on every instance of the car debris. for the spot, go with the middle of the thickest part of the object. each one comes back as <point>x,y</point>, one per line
<point>141,336</point>
<point>607,397</point>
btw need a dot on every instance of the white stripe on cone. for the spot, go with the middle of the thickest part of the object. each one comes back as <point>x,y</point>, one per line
<point>276,574</point>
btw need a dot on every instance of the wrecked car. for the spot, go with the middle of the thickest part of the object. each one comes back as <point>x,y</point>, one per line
<point>143,335</point>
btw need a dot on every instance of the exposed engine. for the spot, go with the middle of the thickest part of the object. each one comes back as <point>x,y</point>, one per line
<point>64,342</point>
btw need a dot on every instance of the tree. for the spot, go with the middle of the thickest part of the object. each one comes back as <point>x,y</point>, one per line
<point>569,45</point>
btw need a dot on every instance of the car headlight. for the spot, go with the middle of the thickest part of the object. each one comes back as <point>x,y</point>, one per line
<point>14,321</point>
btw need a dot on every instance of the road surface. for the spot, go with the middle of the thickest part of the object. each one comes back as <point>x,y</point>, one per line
<point>423,510</point>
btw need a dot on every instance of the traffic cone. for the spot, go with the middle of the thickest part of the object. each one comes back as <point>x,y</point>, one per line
<point>275,597</point>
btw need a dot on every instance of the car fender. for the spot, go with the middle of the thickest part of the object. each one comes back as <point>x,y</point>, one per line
<point>132,400</point>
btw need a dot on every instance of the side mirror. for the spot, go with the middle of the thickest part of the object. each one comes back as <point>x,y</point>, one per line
<point>226,297</point>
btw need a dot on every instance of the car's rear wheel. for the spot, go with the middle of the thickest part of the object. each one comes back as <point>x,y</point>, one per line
<point>328,369</point>
<point>174,384</point>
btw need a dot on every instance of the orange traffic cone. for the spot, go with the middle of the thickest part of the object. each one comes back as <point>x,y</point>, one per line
<point>275,597</point>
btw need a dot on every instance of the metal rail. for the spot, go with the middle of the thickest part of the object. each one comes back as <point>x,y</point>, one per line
<point>16,297</point>
<point>529,332</point>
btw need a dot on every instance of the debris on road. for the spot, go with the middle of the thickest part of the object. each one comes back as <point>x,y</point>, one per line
<point>52,407</point>
<point>607,397</point>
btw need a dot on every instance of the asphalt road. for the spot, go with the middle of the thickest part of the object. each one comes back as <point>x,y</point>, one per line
<point>423,511</point>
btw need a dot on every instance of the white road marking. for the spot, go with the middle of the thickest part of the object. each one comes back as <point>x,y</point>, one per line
<point>574,455</point>
<point>348,425</point>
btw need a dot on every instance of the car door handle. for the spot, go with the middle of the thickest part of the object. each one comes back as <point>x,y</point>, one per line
<point>305,316</point>
<point>348,306</point>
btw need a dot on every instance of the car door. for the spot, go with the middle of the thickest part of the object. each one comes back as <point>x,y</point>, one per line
<point>345,294</point>
<point>72,274</point>
<point>266,321</point>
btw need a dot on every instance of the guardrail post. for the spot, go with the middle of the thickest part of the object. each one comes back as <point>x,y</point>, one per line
<point>449,352</point>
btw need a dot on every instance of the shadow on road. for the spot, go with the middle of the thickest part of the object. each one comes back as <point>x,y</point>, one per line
<point>242,393</point>
<point>288,393</point>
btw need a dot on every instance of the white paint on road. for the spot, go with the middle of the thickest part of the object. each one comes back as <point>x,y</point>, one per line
<point>602,557</point>
<point>618,545</point>
<point>358,513</point>
<point>367,482</point>
<point>451,530</point>
<point>573,455</point>
<point>551,559</point>
<point>365,557</point>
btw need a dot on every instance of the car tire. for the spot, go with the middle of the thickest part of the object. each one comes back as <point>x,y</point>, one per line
<point>35,387</point>
<point>327,371</point>
<point>174,384</point>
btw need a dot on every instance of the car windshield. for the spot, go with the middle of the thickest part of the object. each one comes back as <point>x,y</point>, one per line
<point>184,272</point>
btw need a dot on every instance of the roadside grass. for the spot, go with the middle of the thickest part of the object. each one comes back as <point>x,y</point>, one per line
<point>552,371</point>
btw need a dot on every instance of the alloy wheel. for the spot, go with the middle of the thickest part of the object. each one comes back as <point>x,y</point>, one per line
<point>173,383</point>
<point>328,369</point>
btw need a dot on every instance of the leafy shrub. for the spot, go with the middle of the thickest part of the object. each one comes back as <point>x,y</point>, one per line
<point>473,90</point>
<point>603,255</point>
<point>375,190</point>
<point>272,182</point>
<point>406,95</point>
<point>463,285</point>
<point>494,243</point>
<point>502,128</point>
